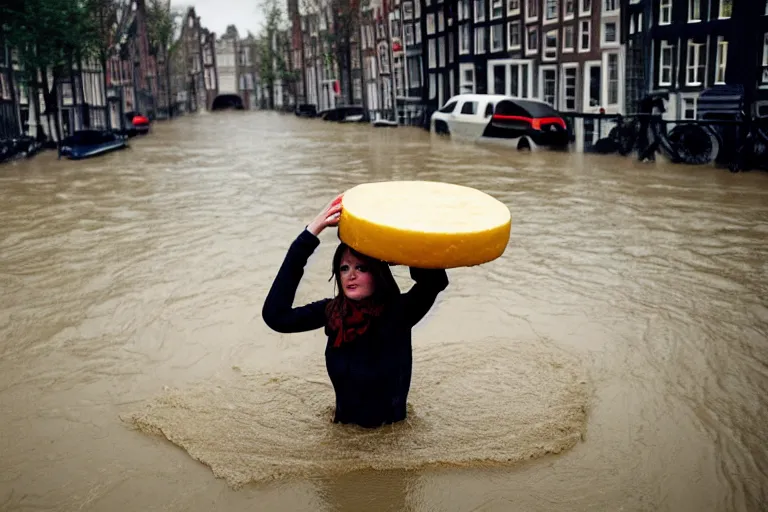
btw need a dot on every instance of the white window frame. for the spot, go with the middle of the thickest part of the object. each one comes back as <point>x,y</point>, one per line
<point>542,69</point>
<point>665,8</point>
<point>502,45</point>
<point>764,84</point>
<point>694,97</point>
<point>511,10</point>
<point>479,13</point>
<point>519,34</point>
<point>665,45</point>
<point>528,3</point>
<point>500,3</point>
<point>608,3</point>
<point>612,108</point>
<point>544,47</point>
<point>691,8</point>
<point>571,49</point>
<point>545,5</point>
<point>481,30</point>
<point>528,30</point>
<point>586,90</point>
<point>462,68</point>
<point>721,63</point>
<point>563,103</point>
<point>430,24</point>
<point>720,14</point>
<point>571,16</point>
<point>465,50</point>
<point>699,51</point>
<point>589,36</point>
<point>440,21</point>
<point>506,64</point>
<point>611,44</point>
<point>432,53</point>
<point>441,53</point>
<point>582,10</point>
<point>464,9</point>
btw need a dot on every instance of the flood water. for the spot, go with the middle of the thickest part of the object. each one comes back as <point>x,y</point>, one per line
<point>615,358</point>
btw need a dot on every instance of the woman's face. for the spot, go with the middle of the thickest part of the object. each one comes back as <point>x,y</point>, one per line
<point>357,280</point>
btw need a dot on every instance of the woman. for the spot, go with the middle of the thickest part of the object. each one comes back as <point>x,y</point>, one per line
<point>368,323</point>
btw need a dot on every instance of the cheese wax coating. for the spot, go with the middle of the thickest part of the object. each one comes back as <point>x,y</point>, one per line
<point>424,224</point>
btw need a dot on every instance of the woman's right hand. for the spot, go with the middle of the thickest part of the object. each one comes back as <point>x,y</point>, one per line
<point>328,216</point>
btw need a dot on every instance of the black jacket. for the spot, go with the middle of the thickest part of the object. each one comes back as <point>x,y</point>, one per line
<point>372,374</point>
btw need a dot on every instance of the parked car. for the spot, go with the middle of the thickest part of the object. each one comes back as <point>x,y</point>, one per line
<point>521,123</point>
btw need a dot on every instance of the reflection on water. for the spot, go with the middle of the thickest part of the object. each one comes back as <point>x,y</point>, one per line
<point>133,285</point>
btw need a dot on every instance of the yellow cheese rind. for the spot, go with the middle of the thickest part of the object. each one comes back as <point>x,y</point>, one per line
<point>424,224</point>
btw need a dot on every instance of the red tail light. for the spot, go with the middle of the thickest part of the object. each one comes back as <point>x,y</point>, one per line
<point>536,123</point>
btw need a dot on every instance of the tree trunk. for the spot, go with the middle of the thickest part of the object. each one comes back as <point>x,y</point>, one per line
<point>168,82</point>
<point>73,89</point>
<point>51,102</point>
<point>86,116</point>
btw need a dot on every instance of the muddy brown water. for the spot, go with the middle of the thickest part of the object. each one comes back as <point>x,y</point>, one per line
<point>615,358</point>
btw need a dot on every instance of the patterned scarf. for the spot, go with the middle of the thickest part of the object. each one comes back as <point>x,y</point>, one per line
<point>351,318</point>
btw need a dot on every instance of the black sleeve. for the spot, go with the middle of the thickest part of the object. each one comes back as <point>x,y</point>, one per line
<point>278,311</point>
<point>421,297</point>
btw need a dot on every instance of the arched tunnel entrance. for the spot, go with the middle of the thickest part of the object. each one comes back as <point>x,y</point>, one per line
<point>227,101</point>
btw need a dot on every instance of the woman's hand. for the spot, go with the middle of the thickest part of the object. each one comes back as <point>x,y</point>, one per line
<point>329,216</point>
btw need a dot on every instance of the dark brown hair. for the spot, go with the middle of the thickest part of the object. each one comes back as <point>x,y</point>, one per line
<point>385,285</point>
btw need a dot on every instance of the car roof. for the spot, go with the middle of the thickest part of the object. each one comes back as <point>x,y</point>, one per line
<point>479,97</point>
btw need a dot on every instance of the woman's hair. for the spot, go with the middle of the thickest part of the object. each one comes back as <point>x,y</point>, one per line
<point>385,285</point>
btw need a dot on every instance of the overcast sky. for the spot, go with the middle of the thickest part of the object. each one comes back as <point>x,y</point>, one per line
<point>217,14</point>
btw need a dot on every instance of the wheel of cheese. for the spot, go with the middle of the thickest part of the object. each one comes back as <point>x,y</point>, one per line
<point>424,224</point>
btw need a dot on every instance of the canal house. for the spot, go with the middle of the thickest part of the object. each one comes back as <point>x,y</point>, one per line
<point>684,47</point>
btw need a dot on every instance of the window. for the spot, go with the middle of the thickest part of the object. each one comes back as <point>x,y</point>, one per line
<point>569,40</point>
<point>513,36</point>
<point>694,65</point>
<point>613,79</point>
<point>694,10</point>
<point>513,7</point>
<point>569,9</point>
<point>595,84</point>
<point>467,78</point>
<point>479,10</point>
<point>497,9</point>
<point>584,29</point>
<point>585,7</point>
<point>469,108</point>
<point>532,44</point>
<point>416,10</point>
<point>479,40</point>
<point>722,60</point>
<point>497,38</point>
<point>441,51</point>
<point>463,9</point>
<point>430,23</point>
<point>464,38</point>
<point>764,72</point>
<point>447,109</point>
<point>726,9</point>
<point>610,6</point>
<point>488,110</point>
<point>569,87</point>
<point>550,45</point>
<point>532,9</point>
<point>450,47</point>
<point>408,10</point>
<point>609,33</point>
<point>688,107</point>
<point>440,22</point>
<point>408,33</point>
<point>548,85</point>
<point>550,12</point>
<point>665,63</point>
<point>432,53</point>
<point>665,12</point>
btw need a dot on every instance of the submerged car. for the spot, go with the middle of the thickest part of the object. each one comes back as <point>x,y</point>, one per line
<point>520,123</point>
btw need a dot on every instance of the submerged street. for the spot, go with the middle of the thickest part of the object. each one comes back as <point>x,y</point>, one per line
<point>624,331</point>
